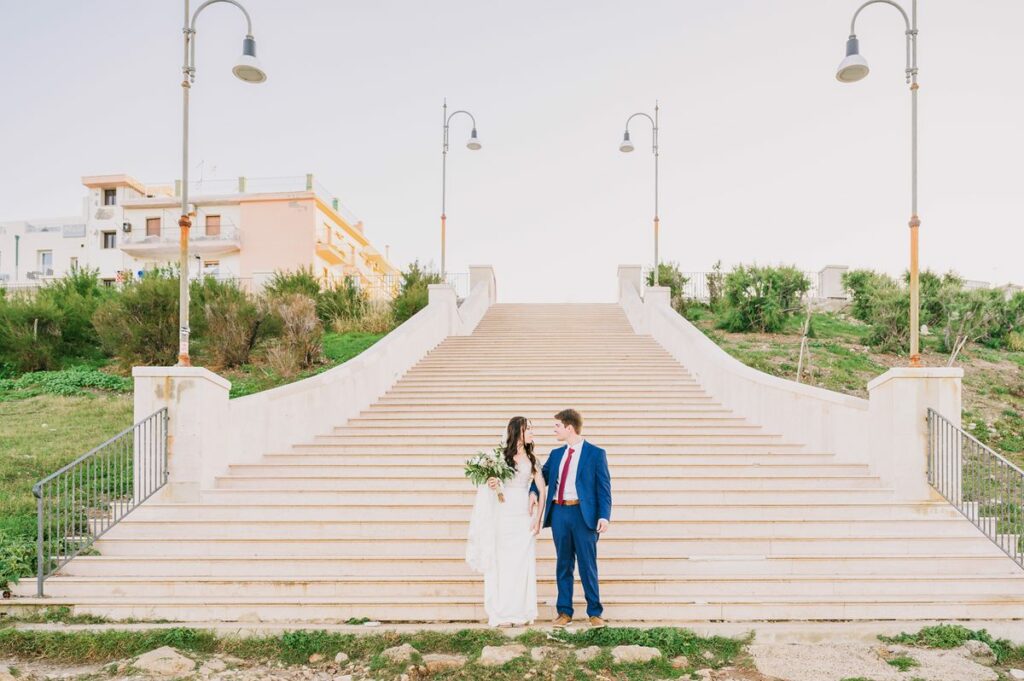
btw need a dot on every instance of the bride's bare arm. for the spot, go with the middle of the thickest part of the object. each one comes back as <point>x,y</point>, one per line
<point>538,479</point>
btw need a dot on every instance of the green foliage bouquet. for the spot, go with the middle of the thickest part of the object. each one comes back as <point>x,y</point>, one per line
<point>485,465</point>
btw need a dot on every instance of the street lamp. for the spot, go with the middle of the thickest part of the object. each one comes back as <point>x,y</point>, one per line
<point>853,68</point>
<point>626,146</point>
<point>247,68</point>
<point>472,144</point>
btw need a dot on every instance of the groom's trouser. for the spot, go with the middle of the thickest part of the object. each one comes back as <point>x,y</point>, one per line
<point>574,540</point>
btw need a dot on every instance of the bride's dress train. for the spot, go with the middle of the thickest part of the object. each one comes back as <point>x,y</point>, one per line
<point>503,548</point>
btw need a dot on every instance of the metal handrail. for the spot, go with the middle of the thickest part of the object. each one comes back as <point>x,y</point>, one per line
<point>79,503</point>
<point>981,483</point>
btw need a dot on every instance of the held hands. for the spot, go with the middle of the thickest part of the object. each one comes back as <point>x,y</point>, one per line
<point>602,526</point>
<point>493,483</point>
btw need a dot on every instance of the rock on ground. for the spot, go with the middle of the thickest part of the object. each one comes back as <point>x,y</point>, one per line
<point>442,663</point>
<point>402,653</point>
<point>165,661</point>
<point>495,656</point>
<point>837,660</point>
<point>634,654</point>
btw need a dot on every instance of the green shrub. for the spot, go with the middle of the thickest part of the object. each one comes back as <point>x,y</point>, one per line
<point>716,285</point>
<point>77,296</point>
<point>234,324</point>
<point>864,287</point>
<point>414,293</point>
<point>342,303</point>
<point>300,345</point>
<point>761,298</point>
<point>140,326</point>
<point>669,275</point>
<point>302,280</point>
<point>30,334</point>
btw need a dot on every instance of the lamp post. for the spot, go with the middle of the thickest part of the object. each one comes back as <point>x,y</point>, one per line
<point>472,144</point>
<point>853,68</point>
<point>626,146</point>
<point>247,68</point>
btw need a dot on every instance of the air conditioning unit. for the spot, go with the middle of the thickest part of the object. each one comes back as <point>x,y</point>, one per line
<point>126,227</point>
<point>32,275</point>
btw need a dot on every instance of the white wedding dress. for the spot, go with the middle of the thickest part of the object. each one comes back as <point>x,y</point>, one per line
<point>503,548</point>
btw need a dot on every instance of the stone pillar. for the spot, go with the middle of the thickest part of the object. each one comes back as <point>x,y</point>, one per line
<point>197,411</point>
<point>631,275</point>
<point>899,401</point>
<point>657,296</point>
<point>831,282</point>
<point>444,295</point>
<point>478,273</point>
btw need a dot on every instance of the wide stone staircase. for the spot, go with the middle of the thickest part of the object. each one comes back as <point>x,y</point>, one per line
<point>714,518</point>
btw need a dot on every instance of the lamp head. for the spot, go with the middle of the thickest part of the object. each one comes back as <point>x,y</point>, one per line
<point>853,67</point>
<point>626,145</point>
<point>247,67</point>
<point>473,142</point>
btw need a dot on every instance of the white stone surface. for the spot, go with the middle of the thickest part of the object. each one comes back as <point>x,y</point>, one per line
<point>495,656</point>
<point>634,653</point>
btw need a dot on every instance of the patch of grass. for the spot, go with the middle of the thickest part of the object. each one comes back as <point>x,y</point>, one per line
<point>904,662</point>
<point>341,347</point>
<point>80,380</point>
<point>946,636</point>
<point>295,647</point>
<point>39,435</point>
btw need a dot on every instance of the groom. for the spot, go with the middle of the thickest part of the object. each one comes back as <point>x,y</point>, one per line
<point>577,509</point>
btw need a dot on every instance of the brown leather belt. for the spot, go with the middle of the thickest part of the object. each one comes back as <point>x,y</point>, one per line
<point>568,502</point>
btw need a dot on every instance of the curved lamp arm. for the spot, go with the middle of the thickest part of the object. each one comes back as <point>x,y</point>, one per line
<point>911,33</point>
<point>654,126</point>
<point>191,30</point>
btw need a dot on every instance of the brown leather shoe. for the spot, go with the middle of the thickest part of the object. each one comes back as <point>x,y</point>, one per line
<point>597,623</point>
<point>562,621</point>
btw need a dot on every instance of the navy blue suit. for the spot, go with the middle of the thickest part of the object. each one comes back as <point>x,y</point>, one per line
<point>574,528</point>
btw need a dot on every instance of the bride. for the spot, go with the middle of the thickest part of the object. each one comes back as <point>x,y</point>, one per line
<point>503,536</point>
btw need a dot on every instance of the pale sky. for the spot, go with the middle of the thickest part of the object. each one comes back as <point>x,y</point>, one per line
<point>764,155</point>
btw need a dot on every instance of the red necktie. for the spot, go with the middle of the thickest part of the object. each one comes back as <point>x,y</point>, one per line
<point>565,474</point>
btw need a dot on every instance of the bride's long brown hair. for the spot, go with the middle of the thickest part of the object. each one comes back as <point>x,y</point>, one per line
<point>515,434</point>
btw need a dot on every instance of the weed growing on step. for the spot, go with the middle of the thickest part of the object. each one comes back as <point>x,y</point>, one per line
<point>61,614</point>
<point>904,662</point>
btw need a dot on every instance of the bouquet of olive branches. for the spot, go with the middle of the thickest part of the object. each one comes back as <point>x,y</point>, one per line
<point>485,465</point>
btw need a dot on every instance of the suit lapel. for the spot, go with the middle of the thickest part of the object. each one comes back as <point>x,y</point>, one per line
<point>579,466</point>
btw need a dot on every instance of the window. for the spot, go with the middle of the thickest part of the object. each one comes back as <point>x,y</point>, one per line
<point>211,268</point>
<point>109,239</point>
<point>109,197</point>
<point>212,225</point>
<point>74,264</point>
<point>45,261</point>
<point>152,226</point>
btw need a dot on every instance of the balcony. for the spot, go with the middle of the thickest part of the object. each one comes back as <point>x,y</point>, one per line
<point>138,244</point>
<point>331,253</point>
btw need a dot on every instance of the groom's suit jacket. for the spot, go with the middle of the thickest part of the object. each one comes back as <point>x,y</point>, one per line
<point>593,483</point>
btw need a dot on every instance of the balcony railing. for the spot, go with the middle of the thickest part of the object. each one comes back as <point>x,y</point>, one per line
<point>227,232</point>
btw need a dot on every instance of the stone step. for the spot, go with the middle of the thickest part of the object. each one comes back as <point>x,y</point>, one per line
<point>425,470</point>
<point>625,609</point>
<point>267,523</point>
<point>295,565</point>
<point>459,438</point>
<point>465,498</point>
<point>387,484</point>
<point>609,546</point>
<point>616,460</point>
<point>416,586</point>
<point>553,402</point>
<point>624,412</point>
<point>683,511</point>
<point>484,424</point>
<point>465,450</point>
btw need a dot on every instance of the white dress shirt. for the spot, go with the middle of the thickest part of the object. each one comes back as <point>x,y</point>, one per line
<point>570,482</point>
